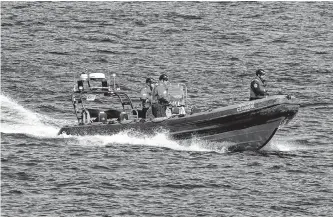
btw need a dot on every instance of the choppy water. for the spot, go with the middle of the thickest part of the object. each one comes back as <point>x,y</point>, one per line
<point>214,47</point>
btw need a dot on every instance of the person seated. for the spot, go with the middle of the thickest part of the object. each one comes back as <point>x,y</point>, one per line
<point>257,86</point>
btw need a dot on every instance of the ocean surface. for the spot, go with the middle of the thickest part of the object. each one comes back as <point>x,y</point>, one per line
<point>213,47</point>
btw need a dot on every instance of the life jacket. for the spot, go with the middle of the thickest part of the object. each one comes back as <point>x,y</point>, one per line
<point>145,94</point>
<point>160,92</point>
<point>253,94</point>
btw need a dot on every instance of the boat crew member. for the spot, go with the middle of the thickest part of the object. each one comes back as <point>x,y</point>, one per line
<point>161,90</point>
<point>146,96</point>
<point>146,93</point>
<point>257,86</point>
<point>160,95</point>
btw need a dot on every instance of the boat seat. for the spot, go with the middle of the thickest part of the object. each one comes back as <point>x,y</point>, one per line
<point>176,95</point>
<point>94,112</point>
<point>112,113</point>
<point>99,116</point>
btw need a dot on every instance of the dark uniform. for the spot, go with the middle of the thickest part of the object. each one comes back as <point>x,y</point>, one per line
<point>257,86</point>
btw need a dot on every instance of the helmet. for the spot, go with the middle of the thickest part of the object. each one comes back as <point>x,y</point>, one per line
<point>163,77</point>
<point>148,80</point>
<point>260,72</point>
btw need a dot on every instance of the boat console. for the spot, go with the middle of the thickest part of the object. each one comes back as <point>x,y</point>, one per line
<point>95,101</point>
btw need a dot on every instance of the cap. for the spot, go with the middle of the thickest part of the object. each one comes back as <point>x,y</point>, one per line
<point>260,72</point>
<point>164,77</point>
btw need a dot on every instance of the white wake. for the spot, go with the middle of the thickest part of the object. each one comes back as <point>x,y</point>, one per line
<point>17,119</point>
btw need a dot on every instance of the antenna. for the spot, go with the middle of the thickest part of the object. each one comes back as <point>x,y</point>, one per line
<point>109,82</point>
<point>73,77</point>
<point>114,81</point>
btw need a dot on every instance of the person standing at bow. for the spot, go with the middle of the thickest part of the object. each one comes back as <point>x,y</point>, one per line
<point>257,86</point>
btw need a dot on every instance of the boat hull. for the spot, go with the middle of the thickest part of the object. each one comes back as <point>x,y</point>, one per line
<point>251,138</point>
<point>247,126</point>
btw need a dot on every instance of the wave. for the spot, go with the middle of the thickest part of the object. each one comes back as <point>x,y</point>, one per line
<point>287,145</point>
<point>114,39</point>
<point>160,140</point>
<point>59,53</point>
<point>184,16</point>
<point>317,104</point>
<point>16,119</point>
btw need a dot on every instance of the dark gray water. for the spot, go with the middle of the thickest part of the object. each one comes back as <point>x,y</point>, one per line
<point>213,47</point>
